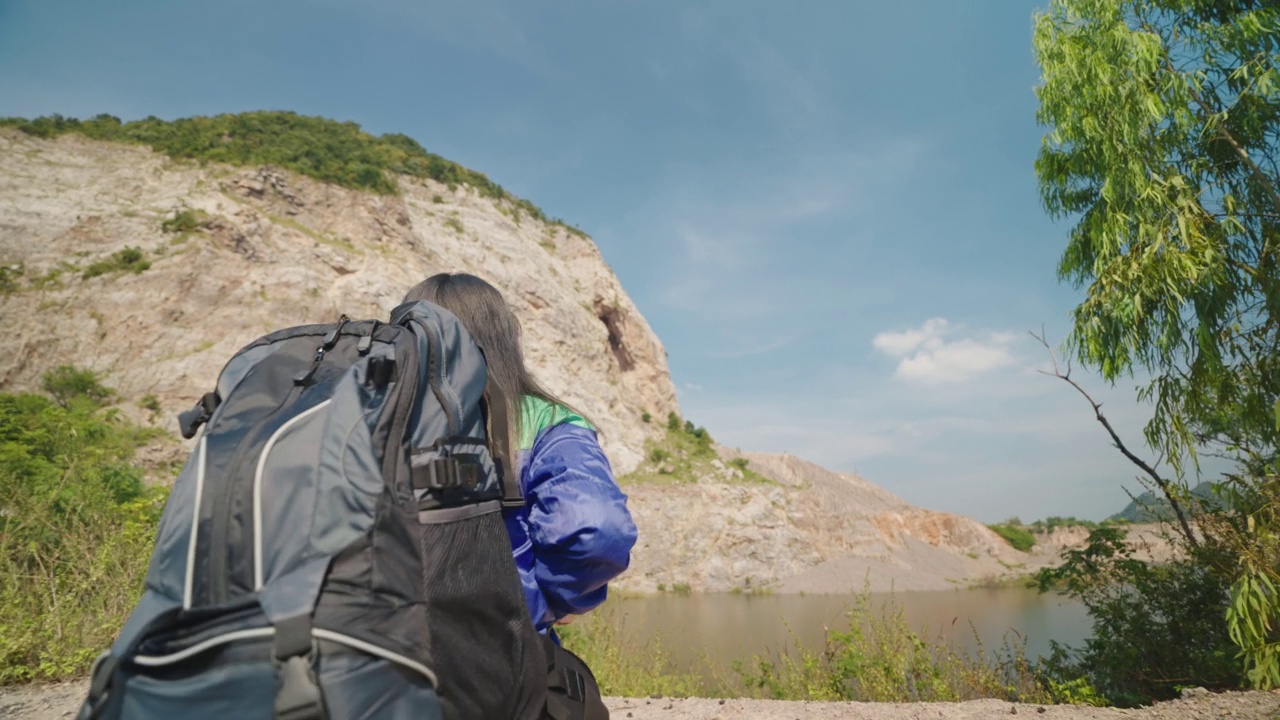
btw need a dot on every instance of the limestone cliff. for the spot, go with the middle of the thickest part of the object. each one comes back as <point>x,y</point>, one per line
<point>271,249</point>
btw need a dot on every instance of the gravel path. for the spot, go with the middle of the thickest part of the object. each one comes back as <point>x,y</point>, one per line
<point>56,702</point>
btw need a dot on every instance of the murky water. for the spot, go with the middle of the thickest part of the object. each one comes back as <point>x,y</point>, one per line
<point>722,628</point>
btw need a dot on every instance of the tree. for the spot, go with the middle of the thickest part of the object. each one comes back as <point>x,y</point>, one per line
<point>1163,144</point>
<point>69,384</point>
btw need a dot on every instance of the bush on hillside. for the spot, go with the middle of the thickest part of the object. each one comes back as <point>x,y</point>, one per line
<point>76,527</point>
<point>1019,537</point>
<point>130,259</point>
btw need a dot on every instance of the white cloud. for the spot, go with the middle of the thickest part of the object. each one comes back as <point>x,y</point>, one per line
<point>927,357</point>
<point>902,343</point>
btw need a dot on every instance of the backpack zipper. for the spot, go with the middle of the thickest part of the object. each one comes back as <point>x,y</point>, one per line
<point>218,561</point>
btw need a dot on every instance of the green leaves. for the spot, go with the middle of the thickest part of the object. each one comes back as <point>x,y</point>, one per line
<point>1162,146</point>
<point>1250,624</point>
<point>1162,124</point>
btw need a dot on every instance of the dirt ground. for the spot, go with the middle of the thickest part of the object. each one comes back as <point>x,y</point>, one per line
<point>57,702</point>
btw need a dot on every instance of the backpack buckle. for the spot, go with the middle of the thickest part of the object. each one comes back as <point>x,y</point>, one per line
<point>298,696</point>
<point>294,655</point>
<point>189,421</point>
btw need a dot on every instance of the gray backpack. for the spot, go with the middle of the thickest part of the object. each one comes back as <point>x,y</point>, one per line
<point>334,548</point>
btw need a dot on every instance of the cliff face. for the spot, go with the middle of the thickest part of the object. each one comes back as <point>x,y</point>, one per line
<point>273,249</point>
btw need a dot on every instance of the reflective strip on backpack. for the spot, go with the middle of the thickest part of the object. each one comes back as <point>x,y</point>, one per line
<point>171,658</point>
<point>257,489</point>
<point>266,632</point>
<point>195,528</point>
<point>380,652</point>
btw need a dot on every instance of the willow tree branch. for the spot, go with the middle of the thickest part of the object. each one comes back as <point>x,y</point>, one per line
<point>1164,485</point>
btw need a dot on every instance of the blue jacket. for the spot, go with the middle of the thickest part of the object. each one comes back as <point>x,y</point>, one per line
<point>574,533</point>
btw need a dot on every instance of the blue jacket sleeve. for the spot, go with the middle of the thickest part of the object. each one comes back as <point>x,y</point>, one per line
<point>581,530</point>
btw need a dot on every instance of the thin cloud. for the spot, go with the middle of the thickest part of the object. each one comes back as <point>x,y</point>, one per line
<point>752,349</point>
<point>482,26</point>
<point>726,238</point>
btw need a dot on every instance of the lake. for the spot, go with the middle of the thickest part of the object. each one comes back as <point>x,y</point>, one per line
<point>726,627</point>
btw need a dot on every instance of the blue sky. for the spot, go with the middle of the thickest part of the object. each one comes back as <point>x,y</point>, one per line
<point>826,210</point>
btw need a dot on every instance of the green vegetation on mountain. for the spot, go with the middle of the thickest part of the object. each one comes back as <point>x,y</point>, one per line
<point>1019,537</point>
<point>686,455</point>
<point>328,150</point>
<point>76,526</point>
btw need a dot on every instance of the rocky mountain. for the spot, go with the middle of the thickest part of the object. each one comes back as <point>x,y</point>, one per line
<point>806,529</point>
<point>254,249</point>
<point>153,270</point>
<point>1152,506</point>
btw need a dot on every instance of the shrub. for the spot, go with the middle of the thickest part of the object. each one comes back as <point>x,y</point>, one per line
<point>879,658</point>
<point>673,421</point>
<point>130,259</point>
<point>1020,538</point>
<point>70,385</point>
<point>9,275</point>
<point>1054,522</point>
<point>76,528</point>
<point>740,462</point>
<point>1155,628</point>
<point>183,221</point>
<point>645,417</point>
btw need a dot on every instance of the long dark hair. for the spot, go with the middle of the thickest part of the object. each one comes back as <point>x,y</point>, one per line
<point>490,321</point>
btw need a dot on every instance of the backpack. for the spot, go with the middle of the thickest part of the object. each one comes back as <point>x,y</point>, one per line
<point>334,546</point>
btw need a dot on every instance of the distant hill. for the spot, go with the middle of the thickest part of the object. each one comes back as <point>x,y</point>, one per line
<point>1152,506</point>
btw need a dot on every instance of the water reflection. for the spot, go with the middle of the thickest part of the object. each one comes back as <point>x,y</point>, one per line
<point>725,627</point>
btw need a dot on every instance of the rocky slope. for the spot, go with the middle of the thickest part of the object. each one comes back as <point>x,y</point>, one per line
<point>274,249</point>
<point>814,531</point>
<point>263,248</point>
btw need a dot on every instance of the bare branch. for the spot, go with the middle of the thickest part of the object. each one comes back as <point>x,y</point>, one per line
<point>1164,485</point>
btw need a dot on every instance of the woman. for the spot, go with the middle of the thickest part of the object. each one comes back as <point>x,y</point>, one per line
<point>574,533</point>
